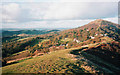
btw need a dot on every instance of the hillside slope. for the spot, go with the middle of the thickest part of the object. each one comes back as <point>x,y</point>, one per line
<point>95,28</point>
<point>94,47</point>
<point>98,57</point>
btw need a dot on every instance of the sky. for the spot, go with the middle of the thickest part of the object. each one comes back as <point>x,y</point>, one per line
<point>55,13</point>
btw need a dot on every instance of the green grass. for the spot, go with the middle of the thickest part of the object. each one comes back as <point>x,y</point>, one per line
<point>23,60</point>
<point>66,39</point>
<point>45,40</point>
<point>23,39</point>
<point>55,62</point>
<point>19,52</point>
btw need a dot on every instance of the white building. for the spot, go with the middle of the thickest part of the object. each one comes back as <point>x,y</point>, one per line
<point>76,40</point>
<point>105,34</point>
<point>92,37</point>
<point>96,34</point>
<point>101,35</point>
<point>66,44</point>
<point>65,38</point>
<point>87,30</point>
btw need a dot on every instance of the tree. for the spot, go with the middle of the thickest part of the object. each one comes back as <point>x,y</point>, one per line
<point>4,62</point>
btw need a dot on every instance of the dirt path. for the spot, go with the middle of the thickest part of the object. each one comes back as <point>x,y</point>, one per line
<point>18,59</point>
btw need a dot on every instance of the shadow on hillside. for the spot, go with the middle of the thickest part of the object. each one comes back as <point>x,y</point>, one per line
<point>15,62</point>
<point>10,64</point>
<point>105,54</point>
<point>108,59</point>
<point>102,57</point>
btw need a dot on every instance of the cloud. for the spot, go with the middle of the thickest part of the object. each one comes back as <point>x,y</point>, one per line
<point>48,24</point>
<point>78,10</point>
<point>56,14</point>
<point>10,12</point>
<point>18,0</point>
<point>58,11</point>
<point>60,0</point>
<point>89,0</point>
<point>55,24</point>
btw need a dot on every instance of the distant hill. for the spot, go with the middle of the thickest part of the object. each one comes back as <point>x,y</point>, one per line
<point>30,32</point>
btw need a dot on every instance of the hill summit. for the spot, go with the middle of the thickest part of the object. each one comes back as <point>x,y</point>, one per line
<point>98,21</point>
<point>101,22</point>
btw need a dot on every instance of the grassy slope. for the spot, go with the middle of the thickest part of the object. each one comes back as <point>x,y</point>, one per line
<point>57,62</point>
<point>72,60</point>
